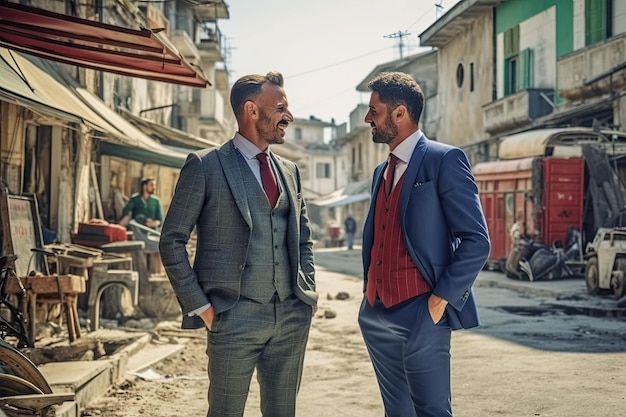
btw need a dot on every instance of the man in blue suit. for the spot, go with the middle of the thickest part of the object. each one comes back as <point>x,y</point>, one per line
<point>424,242</point>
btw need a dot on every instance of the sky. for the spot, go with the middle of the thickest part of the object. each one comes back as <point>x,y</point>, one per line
<point>323,48</point>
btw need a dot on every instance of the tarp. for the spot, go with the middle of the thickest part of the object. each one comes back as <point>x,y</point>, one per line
<point>536,142</point>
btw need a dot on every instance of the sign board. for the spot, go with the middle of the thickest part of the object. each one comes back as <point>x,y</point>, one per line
<point>22,232</point>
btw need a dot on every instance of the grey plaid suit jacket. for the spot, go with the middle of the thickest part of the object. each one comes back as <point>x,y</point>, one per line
<point>210,195</point>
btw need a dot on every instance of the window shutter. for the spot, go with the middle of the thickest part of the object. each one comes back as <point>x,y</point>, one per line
<point>511,41</point>
<point>525,69</point>
<point>596,21</point>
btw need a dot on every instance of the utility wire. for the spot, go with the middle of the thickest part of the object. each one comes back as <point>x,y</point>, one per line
<point>337,63</point>
<point>420,18</point>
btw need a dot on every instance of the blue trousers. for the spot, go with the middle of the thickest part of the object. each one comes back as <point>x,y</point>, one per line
<point>270,338</point>
<point>411,357</point>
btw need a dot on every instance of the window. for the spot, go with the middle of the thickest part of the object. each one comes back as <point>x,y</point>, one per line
<point>471,81</point>
<point>322,170</point>
<point>518,72</point>
<point>517,64</point>
<point>459,75</point>
<point>597,20</point>
<point>298,133</point>
<point>510,74</point>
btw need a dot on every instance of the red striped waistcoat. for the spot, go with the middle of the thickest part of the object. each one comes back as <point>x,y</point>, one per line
<point>392,274</point>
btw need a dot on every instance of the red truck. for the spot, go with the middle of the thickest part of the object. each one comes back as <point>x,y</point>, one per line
<point>555,179</point>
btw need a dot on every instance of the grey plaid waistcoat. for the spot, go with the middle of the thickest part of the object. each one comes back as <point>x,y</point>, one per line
<point>267,267</point>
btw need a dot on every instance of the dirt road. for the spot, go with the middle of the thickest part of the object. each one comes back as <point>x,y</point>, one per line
<point>491,376</point>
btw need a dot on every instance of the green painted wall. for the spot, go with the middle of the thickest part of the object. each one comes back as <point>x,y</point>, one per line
<point>513,12</point>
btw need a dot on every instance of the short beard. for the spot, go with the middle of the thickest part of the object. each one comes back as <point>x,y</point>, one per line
<point>387,134</point>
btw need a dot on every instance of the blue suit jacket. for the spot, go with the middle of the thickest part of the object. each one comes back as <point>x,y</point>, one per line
<point>443,226</point>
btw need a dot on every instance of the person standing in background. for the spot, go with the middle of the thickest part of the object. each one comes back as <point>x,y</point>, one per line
<point>252,283</point>
<point>424,242</point>
<point>350,228</point>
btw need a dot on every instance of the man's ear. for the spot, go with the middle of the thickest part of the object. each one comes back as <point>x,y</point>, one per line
<point>399,112</point>
<point>251,109</point>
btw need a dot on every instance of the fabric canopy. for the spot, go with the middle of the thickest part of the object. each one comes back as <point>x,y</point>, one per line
<point>351,193</point>
<point>85,43</point>
<point>44,92</point>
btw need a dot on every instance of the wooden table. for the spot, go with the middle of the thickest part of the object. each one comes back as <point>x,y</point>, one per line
<point>50,289</point>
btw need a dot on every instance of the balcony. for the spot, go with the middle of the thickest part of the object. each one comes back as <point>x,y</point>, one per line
<point>517,110</point>
<point>183,42</point>
<point>210,42</point>
<point>593,71</point>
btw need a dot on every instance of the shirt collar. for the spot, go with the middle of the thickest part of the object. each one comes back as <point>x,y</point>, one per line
<point>405,149</point>
<point>247,148</point>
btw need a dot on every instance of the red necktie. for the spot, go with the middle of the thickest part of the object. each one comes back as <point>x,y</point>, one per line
<point>268,179</point>
<point>391,172</point>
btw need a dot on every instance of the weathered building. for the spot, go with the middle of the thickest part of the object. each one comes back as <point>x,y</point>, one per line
<point>464,41</point>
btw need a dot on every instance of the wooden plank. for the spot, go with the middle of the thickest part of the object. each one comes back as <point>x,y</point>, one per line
<point>42,284</point>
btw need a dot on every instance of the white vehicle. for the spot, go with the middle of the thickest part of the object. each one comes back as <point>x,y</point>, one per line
<point>606,262</point>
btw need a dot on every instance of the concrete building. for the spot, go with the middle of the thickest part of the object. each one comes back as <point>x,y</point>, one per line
<point>464,39</point>
<point>528,65</point>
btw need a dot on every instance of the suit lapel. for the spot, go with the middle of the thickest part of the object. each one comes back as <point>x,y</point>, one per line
<point>286,176</point>
<point>229,159</point>
<point>410,175</point>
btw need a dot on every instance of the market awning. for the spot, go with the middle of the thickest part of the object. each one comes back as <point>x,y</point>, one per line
<point>26,84</point>
<point>132,144</point>
<point>99,46</point>
<point>168,135</point>
<point>351,193</point>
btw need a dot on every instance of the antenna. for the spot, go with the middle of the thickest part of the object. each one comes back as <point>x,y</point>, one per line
<point>438,9</point>
<point>400,36</point>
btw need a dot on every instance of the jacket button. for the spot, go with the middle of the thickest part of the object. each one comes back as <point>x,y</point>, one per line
<point>241,267</point>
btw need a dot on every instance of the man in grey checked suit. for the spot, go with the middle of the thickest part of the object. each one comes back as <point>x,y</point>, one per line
<point>252,281</point>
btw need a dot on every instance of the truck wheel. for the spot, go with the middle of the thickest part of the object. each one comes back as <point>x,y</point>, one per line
<point>618,280</point>
<point>592,278</point>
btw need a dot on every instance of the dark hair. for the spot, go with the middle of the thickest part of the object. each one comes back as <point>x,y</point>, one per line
<point>144,181</point>
<point>396,88</point>
<point>249,87</point>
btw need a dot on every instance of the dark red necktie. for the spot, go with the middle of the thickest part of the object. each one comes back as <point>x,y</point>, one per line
<point>267,178</point>
<point>391,172</point>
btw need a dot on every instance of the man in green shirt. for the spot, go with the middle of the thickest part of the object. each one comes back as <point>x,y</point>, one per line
<point>144,207</point>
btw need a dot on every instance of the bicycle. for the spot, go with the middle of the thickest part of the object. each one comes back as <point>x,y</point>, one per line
<point>12,322</point>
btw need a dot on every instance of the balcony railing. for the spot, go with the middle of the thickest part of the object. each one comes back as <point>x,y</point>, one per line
<point>517,110</point>
<point>593,71</point>
<point>211,42</point>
